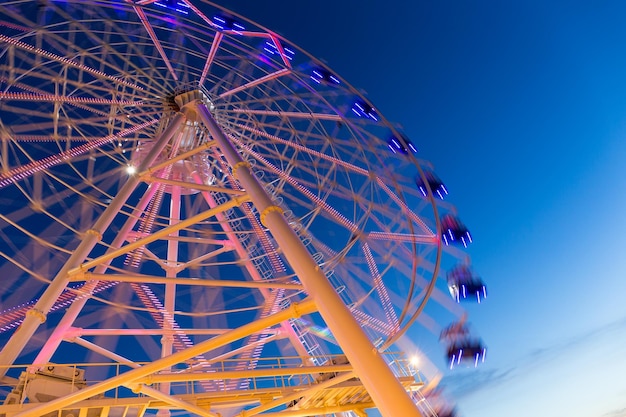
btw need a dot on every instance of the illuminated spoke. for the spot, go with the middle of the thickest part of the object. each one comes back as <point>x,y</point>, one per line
<point>19,173</point>
<point>209,60</point>
<point>65,99</point>
<point>253,83</point>
<point>297,115</point>
<point>66,61</point>
<point>155,40</point>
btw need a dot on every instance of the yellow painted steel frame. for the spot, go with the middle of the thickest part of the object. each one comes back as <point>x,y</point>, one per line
<point>387,392</point>
<point>130,378</point>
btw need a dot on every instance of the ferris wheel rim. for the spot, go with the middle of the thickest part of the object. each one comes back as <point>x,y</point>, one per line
<point>221,102</point>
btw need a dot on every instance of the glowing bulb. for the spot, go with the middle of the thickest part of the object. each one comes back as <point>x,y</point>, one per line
<point>131,170</point>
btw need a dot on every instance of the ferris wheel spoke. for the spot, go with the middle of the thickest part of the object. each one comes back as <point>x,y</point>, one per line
<point>375,324</point>
<point>256,82</point>
<point>66,99</point>
<point>336,215</point>
<point>157,235</point>
<point>13,317</point>
<point>46,138</point>
<point>200,14</point>
<point>210,57</point>
<point>281,50</point>
<point>121,49</point>
<point>305,149</point>
<point>402,204</point>
<point>382,327</point>
<point>40,92</point>
<point>404,237</point>
<point>157,44</point>
<point>193,185</point>
<point>429,238</point>
<point>390,314</point>
<point>66,61</point>
<point>421,282</point>
<point>199,282</point>
<point>14,26</point>
<point>280,114</point>
<point>21,172</point>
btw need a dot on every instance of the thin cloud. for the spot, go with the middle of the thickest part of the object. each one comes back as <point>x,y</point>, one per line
<point>464,383</point>
<point>615,413</point>
<point>459,385</point>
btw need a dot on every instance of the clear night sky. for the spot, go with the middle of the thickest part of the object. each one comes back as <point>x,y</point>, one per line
<point>521,106</point>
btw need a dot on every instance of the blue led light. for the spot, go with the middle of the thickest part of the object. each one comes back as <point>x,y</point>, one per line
<point>272,49</point>
<point>227,24</point>
<point>322,75</point>
<point>177,6</point>
<point>362,109</point>
<point>435,184</point>
<point>452,228</point>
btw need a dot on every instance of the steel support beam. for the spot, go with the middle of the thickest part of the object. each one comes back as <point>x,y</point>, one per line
<point>128,378</point>
<point>37,315</point>
<point>389,395</point>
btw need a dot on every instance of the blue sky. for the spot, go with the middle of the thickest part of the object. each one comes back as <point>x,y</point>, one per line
<point>521,107</point>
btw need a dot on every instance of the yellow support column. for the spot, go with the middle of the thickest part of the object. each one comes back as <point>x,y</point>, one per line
<point>386,391</point>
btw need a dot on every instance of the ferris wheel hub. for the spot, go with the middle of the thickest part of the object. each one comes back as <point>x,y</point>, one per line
<point>191,96</point>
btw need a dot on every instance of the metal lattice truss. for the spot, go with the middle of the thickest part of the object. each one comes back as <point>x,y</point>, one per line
<point>195,216</point>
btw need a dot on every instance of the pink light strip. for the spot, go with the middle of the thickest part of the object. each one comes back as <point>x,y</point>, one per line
<point>66,61</point>
<point>155,40</point>
<point>200,14</point>
<point>13,317</point>
<point>319,116</point>
<point>372,322</point>
<point>145,226</point>
<point>211,56</point>
<point>66,99</point>
<point>248,33</point>
<point>302,148</point>
<point>258,81</point>
<point>354,168</point>
<point>41,92</point>
<point>29,169</point>
<point>47,138</point>
<point>330,210</point>
<point>403,237</point>
<point>351,167</point>
<point>402,204</point>
<point>14,26</point>
<point>281,51</point>
<point>381,289</point>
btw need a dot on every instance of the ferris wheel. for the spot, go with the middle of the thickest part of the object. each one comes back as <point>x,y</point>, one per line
<point>200,218</point>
